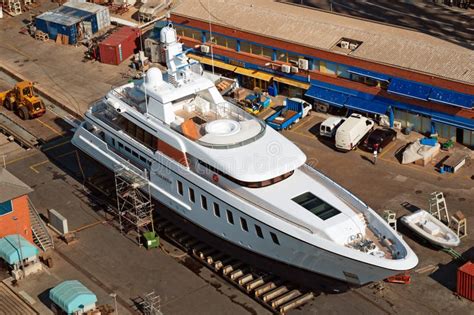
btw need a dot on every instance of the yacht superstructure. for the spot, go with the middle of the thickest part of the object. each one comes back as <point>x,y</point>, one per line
<point>223,170</point>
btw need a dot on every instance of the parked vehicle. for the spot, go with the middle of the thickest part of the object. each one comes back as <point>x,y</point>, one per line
<point>329,126</point>
<point>352,131</point>
<point>379,139</point>
<point>294,110</point>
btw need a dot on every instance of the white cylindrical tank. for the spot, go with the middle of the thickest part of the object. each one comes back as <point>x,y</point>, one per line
<point>168,35</point>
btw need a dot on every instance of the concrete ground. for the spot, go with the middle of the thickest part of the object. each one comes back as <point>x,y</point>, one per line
<point>58,69</point>
<point>107,262</point>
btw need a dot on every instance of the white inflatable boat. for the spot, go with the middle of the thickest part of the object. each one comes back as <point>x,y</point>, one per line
<point>431,229</point>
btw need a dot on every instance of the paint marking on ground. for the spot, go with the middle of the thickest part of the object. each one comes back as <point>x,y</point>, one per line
<point>34,166</point>
<point>36,152</point>
<point>388,148</point>
<point>303,123</point>
<point>49,127</point>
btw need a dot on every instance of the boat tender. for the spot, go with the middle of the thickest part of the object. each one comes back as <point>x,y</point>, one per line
<point>430,228</point>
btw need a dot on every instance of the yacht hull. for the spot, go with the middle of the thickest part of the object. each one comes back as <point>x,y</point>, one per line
<point>288,249</point>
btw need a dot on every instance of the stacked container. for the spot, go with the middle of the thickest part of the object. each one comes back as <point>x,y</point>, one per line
<point>465,283</point>
<point>120,45</point>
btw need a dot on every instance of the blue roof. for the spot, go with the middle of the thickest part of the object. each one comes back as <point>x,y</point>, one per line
<point>409,89</point>
<point>448,97</point>
<point>71,296</point>
<point>375,107</point>
<point>327,96</point>
<point>369,74</point>
<point>12,247</point>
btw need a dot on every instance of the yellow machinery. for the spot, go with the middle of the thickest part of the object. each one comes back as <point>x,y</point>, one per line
<point>23,100</point>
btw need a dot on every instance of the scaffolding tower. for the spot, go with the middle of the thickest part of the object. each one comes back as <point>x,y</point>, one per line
<point>151,304</point>
<point>134,203</point>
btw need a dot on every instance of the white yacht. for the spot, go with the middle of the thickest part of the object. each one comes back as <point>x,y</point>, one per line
<point>223,170</point>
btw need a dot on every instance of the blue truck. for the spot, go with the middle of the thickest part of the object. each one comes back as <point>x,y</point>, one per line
<point>293,110</point>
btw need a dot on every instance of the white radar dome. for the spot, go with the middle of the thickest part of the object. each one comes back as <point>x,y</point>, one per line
<point>168,35</point>
<point>153,78</point>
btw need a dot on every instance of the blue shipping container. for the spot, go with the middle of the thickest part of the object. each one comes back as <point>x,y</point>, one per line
<point>54,23</point>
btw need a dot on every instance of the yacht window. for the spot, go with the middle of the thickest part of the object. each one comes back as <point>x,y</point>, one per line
<point>203,202</point>
<point>315,205</point>
<point>180,187</point>
<point>274,238</point>
<point>120,145</point>
<point>113,142</point>
<point>258,229</point>
<point>248,184</point>
<point>128,150</point>
<point>243,223</point>
<point>230,217</point>
<point>217,211</point>
<point>191,195</point>
<point>135,154</point>
<point>142,159</point>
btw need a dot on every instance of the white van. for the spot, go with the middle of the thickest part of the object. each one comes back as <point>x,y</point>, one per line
<point>329,126</point>
<point>351,132</point>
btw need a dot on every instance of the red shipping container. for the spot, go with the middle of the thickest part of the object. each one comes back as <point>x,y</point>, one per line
<point>119,45</point>
<point>465,283</point>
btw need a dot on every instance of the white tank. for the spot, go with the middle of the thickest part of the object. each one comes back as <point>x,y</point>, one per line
<point>168,35</point>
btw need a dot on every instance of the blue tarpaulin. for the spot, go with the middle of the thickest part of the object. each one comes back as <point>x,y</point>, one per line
<point>451,98</point>
<point>369,74</point>
<point>374,107</point>
<point>12,247</point>
<point>331,97</point>
<point>72,296</point>
<point>409,89</point>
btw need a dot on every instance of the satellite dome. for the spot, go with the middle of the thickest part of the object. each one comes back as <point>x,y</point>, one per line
<point>153,78</point>
<point>168,34</point>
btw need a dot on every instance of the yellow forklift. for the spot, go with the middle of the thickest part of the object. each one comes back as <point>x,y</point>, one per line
<point>23,100</point>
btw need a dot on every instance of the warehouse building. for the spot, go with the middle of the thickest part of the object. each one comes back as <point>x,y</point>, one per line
<point>412,79</point>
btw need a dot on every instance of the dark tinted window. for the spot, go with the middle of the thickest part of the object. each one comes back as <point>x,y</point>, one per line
<point>203,202</point>
<point>274,238</point>
<point>230,217</point>
<point>191,195</point>
<point>318,207</point>
<point>180,188</point>
<point>217,210</point>
<point>243,223</point>
<point>259,231</point>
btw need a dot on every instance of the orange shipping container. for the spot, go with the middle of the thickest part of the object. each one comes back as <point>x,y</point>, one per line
<point>465,283</point>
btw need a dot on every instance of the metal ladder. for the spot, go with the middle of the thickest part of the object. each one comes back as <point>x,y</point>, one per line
<point>438,207</point>
<point>41,236</point>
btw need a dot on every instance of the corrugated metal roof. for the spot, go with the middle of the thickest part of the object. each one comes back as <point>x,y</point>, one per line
<point>9,249</point>
<point>86,6</point>
<point>381,43</point>
<point>72,296</point>
<point>11,187</point>
<point>59,18</point>
<point>117,37</point>
<point>70,11</point>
